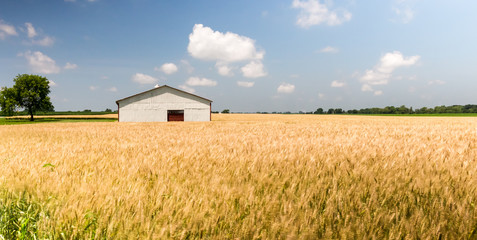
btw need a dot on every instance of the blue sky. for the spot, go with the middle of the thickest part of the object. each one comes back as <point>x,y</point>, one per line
<point>280,55</point>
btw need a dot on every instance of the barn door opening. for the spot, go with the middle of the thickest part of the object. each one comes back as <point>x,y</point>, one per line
<point>175,115</point>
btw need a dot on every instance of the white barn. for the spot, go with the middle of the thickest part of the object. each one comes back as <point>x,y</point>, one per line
<point>163,104</point>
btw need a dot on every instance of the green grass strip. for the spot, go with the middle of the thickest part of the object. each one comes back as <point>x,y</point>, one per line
<point>19,216</point>
<point>15,121</point>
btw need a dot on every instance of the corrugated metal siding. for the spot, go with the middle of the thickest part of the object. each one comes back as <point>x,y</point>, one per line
<point>152,106</point>
<point>197,114</point>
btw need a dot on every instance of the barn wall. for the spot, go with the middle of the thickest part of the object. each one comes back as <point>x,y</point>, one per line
<point>196,114</point>
<point>152,106</point>
<point>142,115</point>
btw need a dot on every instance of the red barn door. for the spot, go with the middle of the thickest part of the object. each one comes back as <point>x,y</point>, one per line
<point>175,115</point>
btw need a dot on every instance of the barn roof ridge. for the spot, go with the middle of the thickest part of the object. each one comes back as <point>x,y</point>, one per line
<point>150,90</point>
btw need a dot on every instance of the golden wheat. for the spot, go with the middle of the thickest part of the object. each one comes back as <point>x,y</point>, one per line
<point>249,176</point>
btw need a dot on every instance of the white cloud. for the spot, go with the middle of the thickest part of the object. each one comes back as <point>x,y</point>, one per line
<point>403,10</point>
<point>143,78</point>
<point>45,41</point>
<point>404,14</point>
<point>253,70</point>
<point>70,66</point>
<point>374,77</point>
<point>167,68</point>
<point>112,89</point>
<point>329,49</point>
<point>187,88</point>
<point>390,61</point>
<point>51,83</point>
<point>321,96</point>
<point>30,30</point>
<point>225,48</point>
<point>93,88</point>
<point>41,63</point>
<point>366,88</point>
<point>286,88</point>
<point>314,13</point>
<point>245,84</point>
<point>6,30</point>
<point>207,44</point>
<point>436,82</point>
<point>337,84</point>
<point>223,69</point>
<point>196,81</point>
<point>104,77</point>
<point>382,72</point>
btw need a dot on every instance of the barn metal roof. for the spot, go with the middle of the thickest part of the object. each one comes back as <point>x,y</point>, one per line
<point>117,102</point>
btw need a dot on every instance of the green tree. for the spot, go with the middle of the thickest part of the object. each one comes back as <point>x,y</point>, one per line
<point>319,111</point>
<point>29,92</point>
<point>8,101</point>
<point>402,110</point>
<point>389,110</point>
<point>226,111</point>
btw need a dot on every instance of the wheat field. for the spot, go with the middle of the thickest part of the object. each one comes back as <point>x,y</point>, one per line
<point>248,177</point>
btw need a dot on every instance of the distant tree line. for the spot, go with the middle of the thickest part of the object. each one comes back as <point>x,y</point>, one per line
<point>469,108</point>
